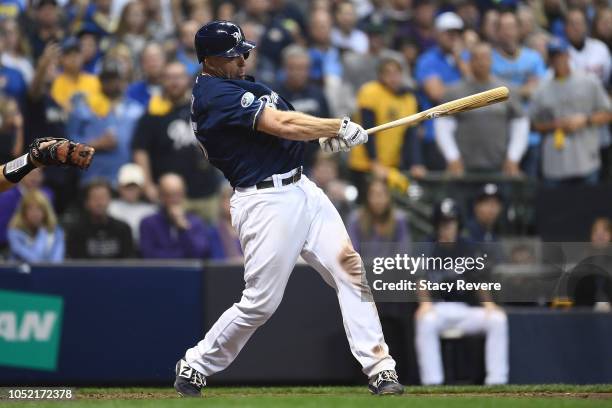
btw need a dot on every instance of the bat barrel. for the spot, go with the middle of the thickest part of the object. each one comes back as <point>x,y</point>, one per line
<point>465,104</point>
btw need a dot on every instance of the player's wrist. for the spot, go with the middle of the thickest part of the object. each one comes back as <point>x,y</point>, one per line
<point>18,168</point>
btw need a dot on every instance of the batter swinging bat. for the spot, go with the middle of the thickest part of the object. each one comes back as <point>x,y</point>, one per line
<point>468,103</point>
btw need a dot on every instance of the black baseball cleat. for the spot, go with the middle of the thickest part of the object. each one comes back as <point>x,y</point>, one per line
<point>385,383</point>
<point>188,382</point>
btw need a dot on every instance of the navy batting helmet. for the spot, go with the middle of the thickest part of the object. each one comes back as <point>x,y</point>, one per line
<point>221,39</point>
<point>446,210</point>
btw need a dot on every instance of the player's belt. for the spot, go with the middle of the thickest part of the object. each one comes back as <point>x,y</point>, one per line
<point>284,181</point>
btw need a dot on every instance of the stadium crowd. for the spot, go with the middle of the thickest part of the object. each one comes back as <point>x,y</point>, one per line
<point>117,74</point>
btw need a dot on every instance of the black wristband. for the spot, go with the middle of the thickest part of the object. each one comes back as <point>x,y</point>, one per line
<point>17,169</point>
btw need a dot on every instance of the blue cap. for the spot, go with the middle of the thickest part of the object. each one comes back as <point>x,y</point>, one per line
<point>70,44</point>
<point>557,45</point>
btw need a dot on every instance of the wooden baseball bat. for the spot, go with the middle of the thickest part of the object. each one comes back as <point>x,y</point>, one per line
<point>468,103</point>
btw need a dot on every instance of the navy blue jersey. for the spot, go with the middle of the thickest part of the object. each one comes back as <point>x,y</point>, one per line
<point>224,114</point>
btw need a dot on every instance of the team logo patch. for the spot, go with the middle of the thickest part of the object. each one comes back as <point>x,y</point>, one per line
<point>247,99</point>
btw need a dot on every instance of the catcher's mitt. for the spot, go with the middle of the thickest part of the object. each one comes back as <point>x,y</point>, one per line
<point>57,151</point>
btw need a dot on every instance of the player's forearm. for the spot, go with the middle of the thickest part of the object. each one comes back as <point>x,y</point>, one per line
<point>296,126</point>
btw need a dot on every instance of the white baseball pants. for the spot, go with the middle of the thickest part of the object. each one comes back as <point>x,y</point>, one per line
<point>275,226</point>
<point>468,320</point>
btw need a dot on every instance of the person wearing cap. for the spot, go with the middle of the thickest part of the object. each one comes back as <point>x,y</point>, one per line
<point>105,121</point>
<point>465,312</point>
<point>568,110</point>
<point>490,140</point>
<point>435,71</point>
<point>73,79</point>
<point>487,209</point>
<point>129,206</point>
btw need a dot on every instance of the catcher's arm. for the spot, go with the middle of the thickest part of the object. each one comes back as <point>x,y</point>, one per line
<point>48,151</point>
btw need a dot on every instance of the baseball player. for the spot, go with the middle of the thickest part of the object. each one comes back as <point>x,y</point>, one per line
<point>256,139</point>
<point>463,311</point>
<point>48,151</point>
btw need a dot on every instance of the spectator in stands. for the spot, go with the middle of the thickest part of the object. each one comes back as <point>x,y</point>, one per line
<point>164,142</point>
<point>567,110</point>
<point>325,174</point>
<point>98,235</point>
<point>488,207</point>
<point>345,35</point>
<point>286,27</point>
<point>304,96</point>
<point>106,121</point>
<point>12,82</point>
<point>34,234</point>
<point>16,50</point>
<point>378,223</point>
<point>224,238</point>
<point>382,101</point>
<point>152,63</point>
<point>602,27</point>
<point>469,12</point>
<point>489,25</point>
<point>590,55</point>
<point>73,79</point>
<point>528,26</point>
<point>129,207</point>
<point>465,139</point>
<point>360,68</point>
<point>590,281</point>
<point>436,70</point>
<point>422,31</point>
<point>465,311</point>
<point>586,53</point>
<point>173,233</point>
<point>45,26</point>
<point>46,117</point>
<point>89,41</point>
<point>9,200</point>
<point>186,53</point>
<point>95,16</point>
<point>256,11</point>
<point>132,28</point>
<point>325,63</point>
<point>522,68</point>
<point>11,129</point>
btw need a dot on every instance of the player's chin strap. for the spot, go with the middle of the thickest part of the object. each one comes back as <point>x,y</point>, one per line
<point>18,168</point>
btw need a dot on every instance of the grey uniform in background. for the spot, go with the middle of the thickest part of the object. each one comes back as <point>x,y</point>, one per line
<point>483,134</point>
<point>555,99</point>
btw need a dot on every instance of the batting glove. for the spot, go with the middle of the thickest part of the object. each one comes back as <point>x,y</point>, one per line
<point>333,145</point>
<point>352,133</point>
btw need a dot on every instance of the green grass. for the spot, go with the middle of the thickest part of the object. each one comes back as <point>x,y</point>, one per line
<point>537,396</point>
